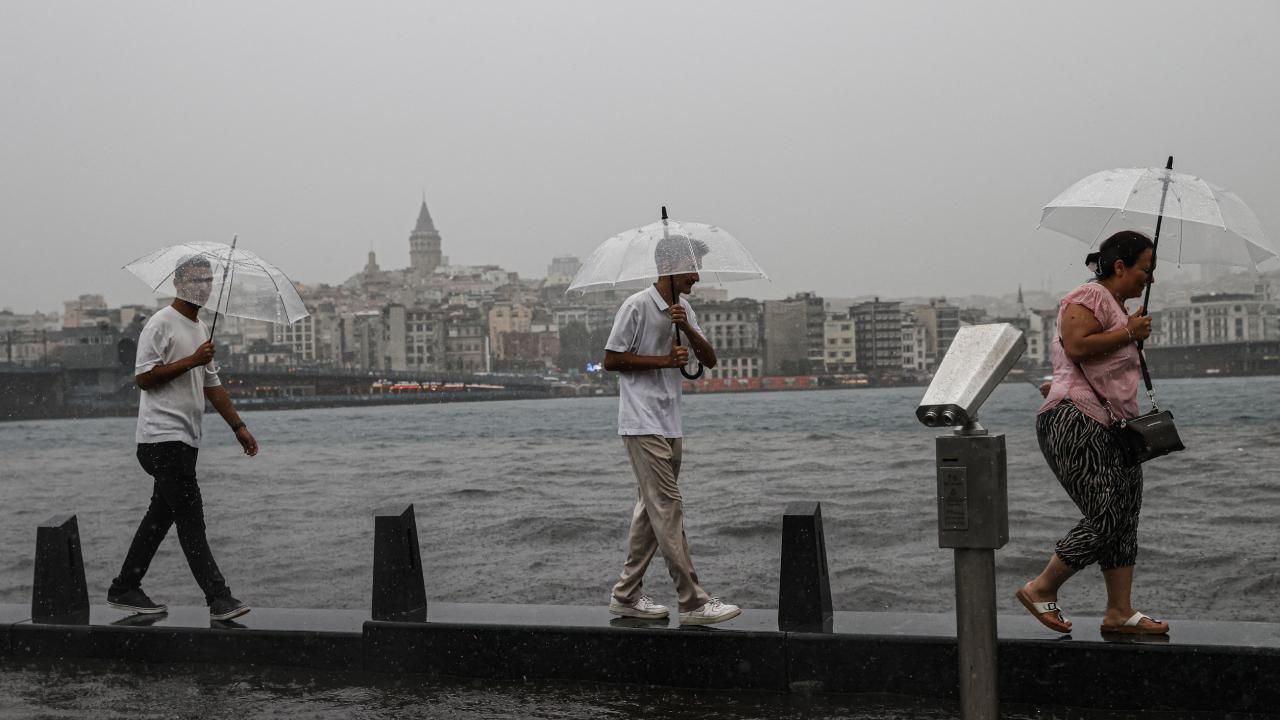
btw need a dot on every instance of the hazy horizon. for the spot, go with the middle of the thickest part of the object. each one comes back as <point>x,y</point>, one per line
<point>855,149</point>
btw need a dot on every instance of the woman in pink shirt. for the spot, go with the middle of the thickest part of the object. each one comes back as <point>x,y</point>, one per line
<point>1095,376</point>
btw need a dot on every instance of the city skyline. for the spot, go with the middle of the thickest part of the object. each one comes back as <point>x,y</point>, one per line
<point>424,231</point>
<point>893,150</point>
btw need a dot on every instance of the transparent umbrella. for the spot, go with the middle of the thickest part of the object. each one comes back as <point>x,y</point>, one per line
<point>244,285</point>
<point>627,260</point>
<point>1198,221</point>
<point>630,260</point>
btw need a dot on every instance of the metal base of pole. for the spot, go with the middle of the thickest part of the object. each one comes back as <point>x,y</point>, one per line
<point>976,633</point>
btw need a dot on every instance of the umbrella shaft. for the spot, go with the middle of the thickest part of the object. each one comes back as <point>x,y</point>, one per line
<point>1155,241</point>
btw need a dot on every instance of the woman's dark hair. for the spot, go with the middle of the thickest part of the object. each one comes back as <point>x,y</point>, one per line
<point>1126,246</point>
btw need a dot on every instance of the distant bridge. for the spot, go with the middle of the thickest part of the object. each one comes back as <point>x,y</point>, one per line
<point>54,392</point>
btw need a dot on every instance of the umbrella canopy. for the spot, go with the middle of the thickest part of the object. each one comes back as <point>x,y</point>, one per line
<point>1203,223</point>
<point>638,257</point>
<point>253,288</point>
<point>627,260</point>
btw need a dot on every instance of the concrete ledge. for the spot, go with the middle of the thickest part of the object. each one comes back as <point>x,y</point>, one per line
<point>1200,666</point>
<point>9,615</point>
<point>690,657</point>
<point>1141,676</point>
<point>1203,666</point>
<point>321,639</point>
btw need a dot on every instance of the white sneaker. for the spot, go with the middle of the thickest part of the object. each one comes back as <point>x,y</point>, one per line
<point>712,612</point>
<point>642,608</point>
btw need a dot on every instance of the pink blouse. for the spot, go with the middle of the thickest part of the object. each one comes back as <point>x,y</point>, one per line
<point>1115,375</point>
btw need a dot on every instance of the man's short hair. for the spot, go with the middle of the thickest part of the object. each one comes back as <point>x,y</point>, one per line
<point>190,263</point>
<point>677,254</point>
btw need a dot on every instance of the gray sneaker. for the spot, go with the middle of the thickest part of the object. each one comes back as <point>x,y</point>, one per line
<point>643,608</point>
<point>711,612</point>
<point>226,608</point>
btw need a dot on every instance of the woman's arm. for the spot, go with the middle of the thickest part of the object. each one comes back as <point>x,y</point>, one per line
<point>1084,339</point>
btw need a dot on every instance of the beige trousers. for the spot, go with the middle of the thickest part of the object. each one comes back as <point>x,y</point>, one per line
<point>657,523</point>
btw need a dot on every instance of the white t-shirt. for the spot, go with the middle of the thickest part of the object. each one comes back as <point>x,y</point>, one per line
<point>172,411</point>
<point>648,400</point>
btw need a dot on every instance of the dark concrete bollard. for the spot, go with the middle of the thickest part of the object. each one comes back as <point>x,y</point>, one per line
<point>804,587</point>
<point>399,592</point>
<point>58,592</point>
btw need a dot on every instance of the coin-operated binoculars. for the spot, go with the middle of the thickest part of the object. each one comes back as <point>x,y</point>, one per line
<point>973,498</point>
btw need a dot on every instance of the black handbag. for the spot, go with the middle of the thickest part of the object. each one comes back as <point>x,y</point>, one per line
<point>1147,436</point>
<point>1151,435</point>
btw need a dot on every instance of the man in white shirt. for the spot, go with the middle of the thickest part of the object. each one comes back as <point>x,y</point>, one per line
<point>175,370</point>
<point>643,347</point>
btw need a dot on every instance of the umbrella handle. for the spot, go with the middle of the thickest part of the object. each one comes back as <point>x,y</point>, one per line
<point>675,299</point>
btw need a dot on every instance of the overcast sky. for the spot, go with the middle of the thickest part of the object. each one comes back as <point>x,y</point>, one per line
<point>855,148</point>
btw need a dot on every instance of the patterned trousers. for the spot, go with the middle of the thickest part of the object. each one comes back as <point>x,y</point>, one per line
<point>1087,458</point>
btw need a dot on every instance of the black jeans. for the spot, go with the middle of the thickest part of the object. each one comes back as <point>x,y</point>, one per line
<point>174,500</point>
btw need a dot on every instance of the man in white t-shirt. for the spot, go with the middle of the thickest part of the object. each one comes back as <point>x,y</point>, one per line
<point>175,370</point>
<point>643,347</point>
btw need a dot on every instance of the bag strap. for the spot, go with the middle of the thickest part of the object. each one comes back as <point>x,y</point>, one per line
<point>1106,404</point>
<point>1146,375</point>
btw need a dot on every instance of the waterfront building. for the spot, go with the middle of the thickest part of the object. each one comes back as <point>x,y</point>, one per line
<point>465,340</point>
<point>786,349</point>
<point>507,317</point>
<point>973,316</point>
<point>414,338</point>
<point>941,321</point>
<point>536,351</point>
<point>85,311</point>
<point>424,337</point>
<point>1042,330</point>
<point>237,335</point>
<point>815,319</point>
<point>839,340</point>
<point>733,329</point>
<point>261,355</point>
<point>29,347</point>
<point>877,327</point>
<point>707,293</point>
<point>93,347</point>
<point>473,282</point>
<point>299,337</point>
<point>363,340</point>
<point>916,358</point>
<point>9,320</point>
<point>562,269</point>
<point>1214,318</point>
<point>794,335</point>
<point>592,317</point>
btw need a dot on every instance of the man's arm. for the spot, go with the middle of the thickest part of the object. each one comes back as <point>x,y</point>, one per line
<point>631,362</point>
<point>221,401</point>
<point>701,348</point>
<point>161,374</point>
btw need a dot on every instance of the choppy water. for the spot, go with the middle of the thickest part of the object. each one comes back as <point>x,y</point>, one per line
<point>529,501</point>
<point>106,691</point>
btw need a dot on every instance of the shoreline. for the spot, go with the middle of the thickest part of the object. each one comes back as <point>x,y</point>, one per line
<point>129,407</point>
